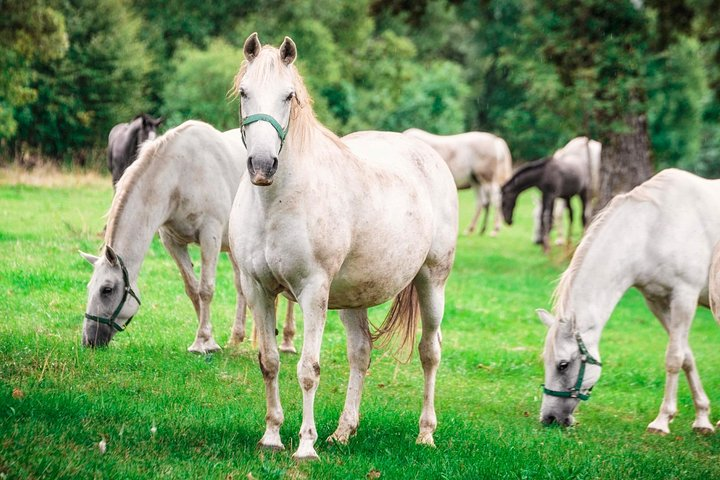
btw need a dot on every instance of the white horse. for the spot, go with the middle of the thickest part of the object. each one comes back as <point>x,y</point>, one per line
<point>658,238</point>
<point>336,223</point>
<point>578,150</point>
<point>477,160</point>
<point>183,184</point>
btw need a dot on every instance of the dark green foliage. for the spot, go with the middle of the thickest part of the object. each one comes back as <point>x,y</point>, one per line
<point>533,71</point>
<point>100,82</point>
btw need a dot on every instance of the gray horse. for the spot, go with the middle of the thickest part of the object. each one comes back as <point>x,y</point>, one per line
<point>124,142</point>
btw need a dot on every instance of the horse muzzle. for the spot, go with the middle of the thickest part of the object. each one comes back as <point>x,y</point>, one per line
<point>96,335</point>
<point>262,170</point>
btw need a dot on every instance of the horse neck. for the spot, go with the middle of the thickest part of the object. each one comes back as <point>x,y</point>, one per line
<point>142,207</point>
<point>601,273</point>
<point>308,152</point>
<point>528,178</point>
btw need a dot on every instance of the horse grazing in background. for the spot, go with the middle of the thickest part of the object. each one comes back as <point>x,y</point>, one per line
<point>658,238</point>
<point>584,151</point>
<point>336,223</point>
<point>562,177</point>
<point>125,140</point>
<point>183,184</point>
<point>477,160</point>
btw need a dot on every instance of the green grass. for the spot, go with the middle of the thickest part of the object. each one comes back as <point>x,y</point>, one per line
<point>58,400</point>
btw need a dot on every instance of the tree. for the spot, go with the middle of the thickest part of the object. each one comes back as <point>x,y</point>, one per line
<point>199,85</point>
<point>29,30</point>
<point>100,82</point>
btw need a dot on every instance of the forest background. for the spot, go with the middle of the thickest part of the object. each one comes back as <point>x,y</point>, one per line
<point>535,72</point>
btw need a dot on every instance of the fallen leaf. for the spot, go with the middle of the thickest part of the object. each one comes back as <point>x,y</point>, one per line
<point>373,474</point>
<point>102,446</point>
<point>17,393</point>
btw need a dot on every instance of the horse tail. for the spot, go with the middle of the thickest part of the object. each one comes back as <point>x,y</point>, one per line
<point>503,169</point>
<point>402,320</point>
<point>714,283</point>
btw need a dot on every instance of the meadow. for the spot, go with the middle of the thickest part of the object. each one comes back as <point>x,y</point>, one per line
<point>164,412</point>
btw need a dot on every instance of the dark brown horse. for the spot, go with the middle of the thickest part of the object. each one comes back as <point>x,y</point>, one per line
<point>556,177</point>
<point>124,142</point>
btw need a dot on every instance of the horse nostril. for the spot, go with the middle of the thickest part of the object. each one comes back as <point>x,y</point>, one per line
<point>549,419</point>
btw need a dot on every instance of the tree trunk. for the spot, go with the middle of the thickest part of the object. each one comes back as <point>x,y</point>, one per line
<point>626,160</point>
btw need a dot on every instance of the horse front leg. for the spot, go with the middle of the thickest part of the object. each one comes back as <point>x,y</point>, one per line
<point>359,345</point>
<point>313,301</point>
<point>210,239</point>
<point>548,203</point>
<point>237,334</point>
<point>179,253</point>
<point>571,219</point>
<point>262,305</point>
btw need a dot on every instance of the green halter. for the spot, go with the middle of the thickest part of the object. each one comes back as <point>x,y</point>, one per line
<point>576,392</point>
<point>127,290</point>
<point>263,117</point>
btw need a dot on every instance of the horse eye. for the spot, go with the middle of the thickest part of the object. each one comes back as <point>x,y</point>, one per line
<point>290,96</point>
<point>106,291</point>
<point>562,365</point>
<point>243,94</point>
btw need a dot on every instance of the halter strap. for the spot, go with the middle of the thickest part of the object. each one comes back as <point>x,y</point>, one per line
<point>576,390</point>
<point>127,290</point>
<point>263,117</point>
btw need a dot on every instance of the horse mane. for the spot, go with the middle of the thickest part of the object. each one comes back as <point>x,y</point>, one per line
<point>650,191</point>
<point>148,151</point>
<point>303,122</point>
<point>528,167</point>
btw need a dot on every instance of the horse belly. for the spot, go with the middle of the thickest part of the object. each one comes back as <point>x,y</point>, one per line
<point>380,267</point>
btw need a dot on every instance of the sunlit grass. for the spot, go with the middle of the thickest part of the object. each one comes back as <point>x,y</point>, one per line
<point>57,400</point>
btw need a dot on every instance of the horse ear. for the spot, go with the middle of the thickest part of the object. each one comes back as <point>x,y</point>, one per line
<point>252,47</point>
<point>288,51</point>
<point>546,317</point>
<point>111,255</point>
<point>90,258</point>
<point>158,121</point>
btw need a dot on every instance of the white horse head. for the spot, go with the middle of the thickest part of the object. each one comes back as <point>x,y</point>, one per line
<point>112,301</point>
<point>267,89</point>
<point>568,379</point>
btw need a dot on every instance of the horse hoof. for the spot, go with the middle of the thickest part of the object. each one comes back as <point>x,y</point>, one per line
<point>703,429</point>
<point>234,341</point>
<point>425,438</point>
<point>204,348</point>
<point>288,348</point>
<point>275,447</point>
<point>657,431</point>
<point>306,456</point>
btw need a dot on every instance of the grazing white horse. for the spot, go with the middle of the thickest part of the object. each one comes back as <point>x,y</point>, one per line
<point>183,184</point>
<point>477,160</point>
<point>579,150</point>
<point>335,223</point>
<point>658,238</point>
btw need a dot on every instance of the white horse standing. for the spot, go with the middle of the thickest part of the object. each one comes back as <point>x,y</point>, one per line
<point>477,160</point>
<point>336,223</point>
<point>183,185</point>
<point>580,150</point>
<point>658,238</point>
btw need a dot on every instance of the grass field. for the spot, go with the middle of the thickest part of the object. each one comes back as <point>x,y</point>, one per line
<point>58,400</point>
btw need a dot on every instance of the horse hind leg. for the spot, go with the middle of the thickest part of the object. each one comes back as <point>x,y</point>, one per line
<point>431,294</point>
<point>676,316</point>
<point>287,345</point>
<point>359,346</point>
<point>479,205</point>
